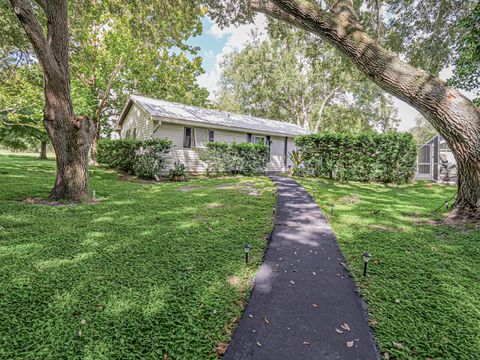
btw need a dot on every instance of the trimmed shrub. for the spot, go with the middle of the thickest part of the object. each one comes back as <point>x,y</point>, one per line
<point>388,157</point>
<point>243,158</point>
<point>118,154</point>
<point>143,158</point>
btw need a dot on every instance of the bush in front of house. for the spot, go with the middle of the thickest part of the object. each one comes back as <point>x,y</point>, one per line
<point>388,157</point>
<point>232,159</point>
<point>143,158</point>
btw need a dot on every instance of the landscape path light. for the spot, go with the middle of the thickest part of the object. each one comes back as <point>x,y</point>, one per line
<point>366,258</point>
<point>246,248</point>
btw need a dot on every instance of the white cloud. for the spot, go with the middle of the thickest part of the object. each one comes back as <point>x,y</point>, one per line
<point>237,38</point>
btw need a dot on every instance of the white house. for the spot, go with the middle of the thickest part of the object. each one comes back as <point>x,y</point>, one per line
<point>191,127</point>
<point>433,158</point>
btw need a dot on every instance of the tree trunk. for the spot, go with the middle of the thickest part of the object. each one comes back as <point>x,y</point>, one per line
<point>71,136</point>
<point>71,139</point>
<point>43,150</point>
<point>455,117</point>
<point>96,137</point>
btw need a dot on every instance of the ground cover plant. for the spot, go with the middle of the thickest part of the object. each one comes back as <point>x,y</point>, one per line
<point>153,269</point>
<point>422,286</point>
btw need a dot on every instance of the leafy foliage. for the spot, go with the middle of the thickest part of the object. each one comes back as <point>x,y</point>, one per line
<point>243,158</point>
<point>297,160</point>
<point>119,48</point>
<point>144,158</point>
<point>292,76</point>
<point>143,274</point>
<point>21,107</point>
<point>388,157</point>
<point>423,131</point>
<point>151,158</point>
<point>178,172</point>
<point>467,62</point>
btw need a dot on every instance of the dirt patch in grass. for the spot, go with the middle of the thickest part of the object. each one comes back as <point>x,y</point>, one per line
<point>189,188</point>
<point>42,201</point>
<point>214,205</point>
<point>385,228</point>
<point>245,187</point>
<point>350,199</point>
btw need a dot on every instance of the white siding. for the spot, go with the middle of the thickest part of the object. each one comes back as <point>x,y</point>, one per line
<point>145,126</point>
<point>139,120</point>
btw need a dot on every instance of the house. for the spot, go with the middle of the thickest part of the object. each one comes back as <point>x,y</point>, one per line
<point>433,159</point>
<point>191,127</point>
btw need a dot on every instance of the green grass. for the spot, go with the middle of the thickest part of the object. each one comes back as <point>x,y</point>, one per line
<point>154,269</point>
<point>423,288</point>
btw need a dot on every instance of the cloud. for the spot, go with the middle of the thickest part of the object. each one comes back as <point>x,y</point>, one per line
<point>237,38</point>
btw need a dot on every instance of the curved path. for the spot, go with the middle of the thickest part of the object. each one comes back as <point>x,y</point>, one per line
<point>304,304</point>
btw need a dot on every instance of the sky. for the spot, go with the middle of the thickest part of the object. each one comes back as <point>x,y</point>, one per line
<point>215,43</point>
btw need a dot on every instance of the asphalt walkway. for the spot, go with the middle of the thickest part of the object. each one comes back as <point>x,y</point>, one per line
<point>304,304</point>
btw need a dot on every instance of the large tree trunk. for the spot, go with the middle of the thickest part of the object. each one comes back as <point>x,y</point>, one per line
<point>455,117</point>
<point>43,150</point>
<point>71,136</point>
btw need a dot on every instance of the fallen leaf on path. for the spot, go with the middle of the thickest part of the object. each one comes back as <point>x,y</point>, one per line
<point>339,331</point>
<point>258,344</point>
<point>306,343</point>
<point>292,282</point>
<point>266,320</point>
<point>315,305</point>
<point>349,343</point>
<point>345,326</point>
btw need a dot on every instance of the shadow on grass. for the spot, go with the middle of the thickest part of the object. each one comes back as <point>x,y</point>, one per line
<point>142,274</point>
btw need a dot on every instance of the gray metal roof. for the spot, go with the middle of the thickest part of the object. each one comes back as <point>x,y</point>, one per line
<point>166,109</point>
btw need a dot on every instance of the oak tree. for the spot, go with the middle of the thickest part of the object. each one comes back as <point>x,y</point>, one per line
<point>454,116</point>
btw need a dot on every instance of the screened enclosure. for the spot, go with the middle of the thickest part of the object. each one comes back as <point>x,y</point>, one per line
<point>435,161</point>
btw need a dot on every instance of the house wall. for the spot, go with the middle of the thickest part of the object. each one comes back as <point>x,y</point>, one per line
<point>140,120</point>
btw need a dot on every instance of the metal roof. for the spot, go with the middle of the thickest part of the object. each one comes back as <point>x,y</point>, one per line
<point>167,109</point>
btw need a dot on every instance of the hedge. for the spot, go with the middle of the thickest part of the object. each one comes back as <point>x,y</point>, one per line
<point>232,159</point>
<point>388,157</point>
<point>143,158</point>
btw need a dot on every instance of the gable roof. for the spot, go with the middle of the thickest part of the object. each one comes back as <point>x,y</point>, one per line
<point>169,110</point>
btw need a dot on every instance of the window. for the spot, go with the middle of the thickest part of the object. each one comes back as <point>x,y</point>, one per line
<point>187,138</point>
<point>249,138</point>
<point>211,135</point>
<point>259,140</point>
<point>269,144</point>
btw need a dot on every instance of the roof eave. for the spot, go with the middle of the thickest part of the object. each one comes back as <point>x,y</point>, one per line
<point>220,127</point>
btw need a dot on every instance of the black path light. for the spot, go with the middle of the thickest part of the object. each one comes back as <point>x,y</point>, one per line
<point>366,258</point>
<point>246,248</point>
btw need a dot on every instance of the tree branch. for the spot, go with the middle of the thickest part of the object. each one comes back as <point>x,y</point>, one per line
<point>25,14</point>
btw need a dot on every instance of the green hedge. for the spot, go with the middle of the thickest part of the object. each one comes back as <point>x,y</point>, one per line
<point>143,158</point>
<point>243,158</point>
<point>388,157</point>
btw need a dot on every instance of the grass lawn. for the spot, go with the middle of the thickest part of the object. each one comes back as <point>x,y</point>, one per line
<point>423,287</point>
<point>154,269</point>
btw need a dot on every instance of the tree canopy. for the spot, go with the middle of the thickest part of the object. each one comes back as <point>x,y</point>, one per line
<point>292,76</point>
<point>119,48</point>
